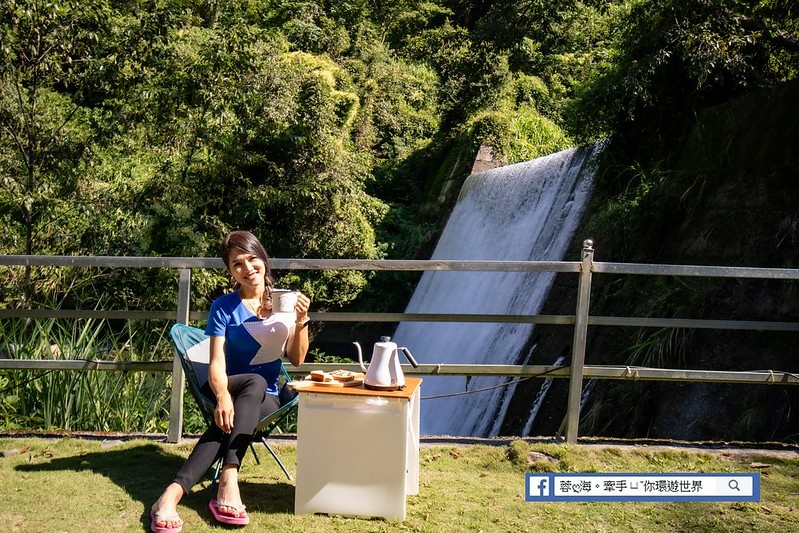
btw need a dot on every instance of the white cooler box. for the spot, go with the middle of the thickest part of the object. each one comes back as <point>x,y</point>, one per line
<point>356,454</point>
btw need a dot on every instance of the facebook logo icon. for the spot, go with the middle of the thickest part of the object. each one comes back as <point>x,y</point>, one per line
<point>538,486</point>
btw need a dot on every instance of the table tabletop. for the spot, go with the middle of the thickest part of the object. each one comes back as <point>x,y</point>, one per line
<point>411,384</point>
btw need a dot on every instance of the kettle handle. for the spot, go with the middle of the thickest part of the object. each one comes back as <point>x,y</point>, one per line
<point>407,353</point>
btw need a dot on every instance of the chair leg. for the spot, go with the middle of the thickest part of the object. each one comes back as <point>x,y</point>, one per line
<point>215,479</point>
<point>218,464</point>
<point>257,460</point>
<point>279,462</point>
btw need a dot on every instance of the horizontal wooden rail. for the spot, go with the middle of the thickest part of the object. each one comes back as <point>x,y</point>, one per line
<point>277,263</point>
<point>765,377</point>
<point>598,267</point>
<point>566,320</point>
<point>632,373</point>
<point>85,364</point>
<point>644,322</point>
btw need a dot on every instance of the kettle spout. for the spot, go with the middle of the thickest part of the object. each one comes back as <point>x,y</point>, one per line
<point>360,356</point>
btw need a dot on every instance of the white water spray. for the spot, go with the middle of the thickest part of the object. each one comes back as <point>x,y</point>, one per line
<point>539,398</point>
<point>523,212</point>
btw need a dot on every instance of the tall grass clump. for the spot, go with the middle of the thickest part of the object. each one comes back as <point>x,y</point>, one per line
<point>87,400</point>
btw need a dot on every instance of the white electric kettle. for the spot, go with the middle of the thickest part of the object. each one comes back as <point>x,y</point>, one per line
<point>384,372</point>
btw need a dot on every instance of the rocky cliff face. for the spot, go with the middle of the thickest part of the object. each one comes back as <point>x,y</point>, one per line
<point>732,199</point>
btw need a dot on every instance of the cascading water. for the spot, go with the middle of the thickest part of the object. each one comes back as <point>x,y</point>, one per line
<point>523,212</point>
<point>539,398</point>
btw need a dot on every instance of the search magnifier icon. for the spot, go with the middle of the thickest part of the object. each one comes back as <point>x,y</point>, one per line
<point>733,484</point>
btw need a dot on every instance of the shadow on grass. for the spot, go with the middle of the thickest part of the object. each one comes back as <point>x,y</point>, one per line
<point>144,471</point>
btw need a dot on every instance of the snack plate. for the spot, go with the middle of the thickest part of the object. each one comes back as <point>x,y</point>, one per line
<point>358,380</point>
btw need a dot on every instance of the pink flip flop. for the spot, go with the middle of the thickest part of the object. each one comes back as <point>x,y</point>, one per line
<point>242,520</point>
<point>155,528</point>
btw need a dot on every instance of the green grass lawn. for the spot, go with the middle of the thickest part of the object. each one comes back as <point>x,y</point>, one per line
<point>80,485</point>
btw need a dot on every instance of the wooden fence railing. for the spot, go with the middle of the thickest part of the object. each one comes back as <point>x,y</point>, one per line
<point>585,269</point>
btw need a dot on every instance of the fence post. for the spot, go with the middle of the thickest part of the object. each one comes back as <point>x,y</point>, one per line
<point>176,401</point>
<point>578,342</point>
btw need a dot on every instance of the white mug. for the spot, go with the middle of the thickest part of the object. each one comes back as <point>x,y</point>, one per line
<point>283,300</point>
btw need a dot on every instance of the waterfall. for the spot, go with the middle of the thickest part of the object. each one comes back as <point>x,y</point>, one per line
<point>523,212</point>
<point>539,398</point>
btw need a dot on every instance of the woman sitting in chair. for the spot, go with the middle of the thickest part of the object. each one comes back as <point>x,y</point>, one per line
<point>247,341</point>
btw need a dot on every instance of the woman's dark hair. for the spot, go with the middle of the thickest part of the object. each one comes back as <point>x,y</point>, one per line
<point>248,243</point>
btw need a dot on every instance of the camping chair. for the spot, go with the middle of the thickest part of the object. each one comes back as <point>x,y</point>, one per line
<point>193,348</point>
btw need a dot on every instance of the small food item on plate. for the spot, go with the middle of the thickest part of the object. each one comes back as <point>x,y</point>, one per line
<point>319,375</point>
<point>343,375</point>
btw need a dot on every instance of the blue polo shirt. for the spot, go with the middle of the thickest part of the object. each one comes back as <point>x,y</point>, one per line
<point>252,344</point>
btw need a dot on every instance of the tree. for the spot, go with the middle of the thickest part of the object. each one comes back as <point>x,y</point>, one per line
<point>674,58</point>
<point>47,53</point>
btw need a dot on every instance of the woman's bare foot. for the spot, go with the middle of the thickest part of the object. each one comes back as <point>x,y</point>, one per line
<point>166,507</point>
<point>228,496</point>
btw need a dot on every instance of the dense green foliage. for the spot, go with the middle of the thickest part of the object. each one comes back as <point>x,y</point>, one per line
<point>81,400</point>
<point>669,61</point>
<point>329,128</point>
